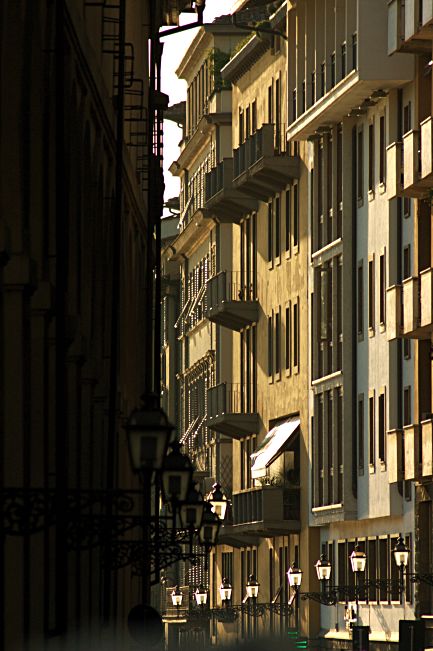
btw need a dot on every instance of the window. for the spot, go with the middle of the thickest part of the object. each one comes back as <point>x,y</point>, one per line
<point>254,117</point>
<point>382,427</point>
<point>354,51</point>
<point>406,262</point>
<point>227,566</point>
<point>371,294</point>
<point>295,215</point>
<point>407,117</point>
<point>371,157</point>
<point>277,227</point>
<point>322,79</point>
<point>384,559</point>
<point>247,122</point>
<point>343,60</point>
<point>313,87</point>
<point>360,307</point>
<point>296,333</point>
<point>333,70</point>
<point>288,219</point>
<point>294,104</point>
<point>407,272</point>
<point>270,231</point>
<point>407,406</point>
<point>372,568</point>
<point>361,433</point>
<point>371,431</point>
<point>406,207</point>
<point>382,152</point>
<point>270,105</point>
<point>382,289</point>
<point>360,166</point>
<point>288,338</point>
<point>241,127</point>
<point>270,347</point>
<point>278,342</point>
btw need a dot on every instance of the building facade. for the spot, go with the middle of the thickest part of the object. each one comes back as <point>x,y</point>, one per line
<point>325,306</point>
<point>74,265</point>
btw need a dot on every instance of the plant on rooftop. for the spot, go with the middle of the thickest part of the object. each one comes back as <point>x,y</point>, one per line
<point>217,60</point>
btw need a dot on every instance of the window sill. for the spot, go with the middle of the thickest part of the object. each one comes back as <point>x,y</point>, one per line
<point>371,195</point>
<point>296,249</point>
<point>288,372</point>
<point>278,261</point>
<point>382,466</point>
<point>270,379</point>
<point>372,469</point>
<point>370,331</point>
<point>382,327</point>
<point>382,188</point>
<point>360,337</point>
<point>359,202</point>
<point>295,370</point>
<point>277,377</point>
<point>270,264</point>
<point>287,255</point>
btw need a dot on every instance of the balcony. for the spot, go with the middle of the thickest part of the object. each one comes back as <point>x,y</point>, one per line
<point>394,308</point>
<point>427,151</point>
<point>413,184</point>
<point>267,511</point>
<point>403,454</point>
<point>231,410</point>
<point>410,26</point>
<point>229,302</point>
<point>225,201</point>
<point>427,448</point>
<point>261,168</point>
<point>394,166</point>
<point>410,307</point>
<point>426,319</point>
<point>411,452</point>
<point>395,456</point>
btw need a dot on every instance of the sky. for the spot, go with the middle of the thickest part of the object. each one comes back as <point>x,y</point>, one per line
<point>174,48</point>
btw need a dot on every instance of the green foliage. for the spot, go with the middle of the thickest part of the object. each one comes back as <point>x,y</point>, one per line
<point>240,44</point>
<point>217,60</point>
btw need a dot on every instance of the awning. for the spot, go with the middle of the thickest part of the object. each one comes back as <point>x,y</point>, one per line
<point>270,447</point>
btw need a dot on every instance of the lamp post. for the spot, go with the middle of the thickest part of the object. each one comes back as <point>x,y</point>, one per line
<point>252,593</point>
<point>294,576</point>
<point>176,598</point>
<point>401,557</point>
<point>200,596</point>
<point>218,500</point>
<point>148,431</point>
<point>226,592</point>
<point>358,561</point>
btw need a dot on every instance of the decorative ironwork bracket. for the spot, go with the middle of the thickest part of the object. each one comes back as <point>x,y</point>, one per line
<point>97,518</point>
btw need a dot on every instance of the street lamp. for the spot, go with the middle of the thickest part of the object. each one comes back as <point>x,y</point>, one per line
<point>252,593</point>
<point>218,500</point>
<point>210,525</point>
<point>226,592</point>
<point>323,571</point>
<point>191,510</point>
<point>358,560</point>
<point>177,472</point>
<point>401,557</point>
<point>252,587</point>
<point>148,431</point>
<point>176,598</point>
<point>201,596</point>
<point>294,575</point>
